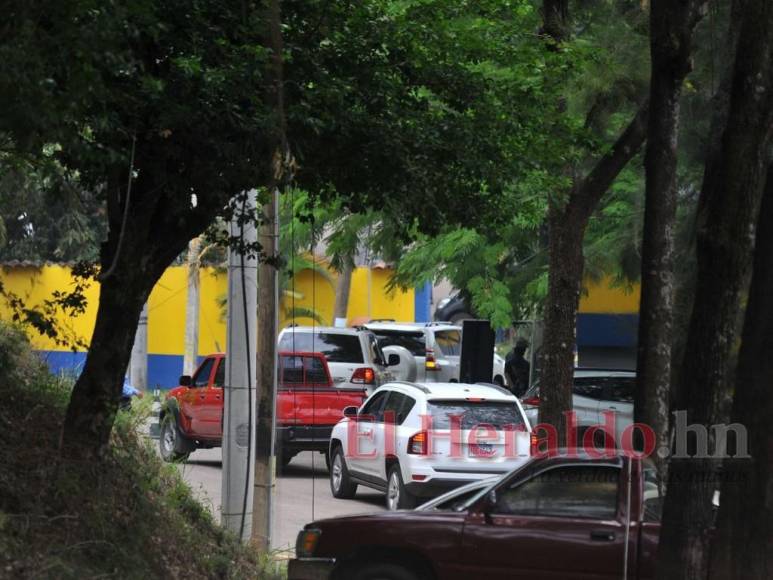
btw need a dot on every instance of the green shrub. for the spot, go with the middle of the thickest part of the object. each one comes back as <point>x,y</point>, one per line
<point>128,516</point>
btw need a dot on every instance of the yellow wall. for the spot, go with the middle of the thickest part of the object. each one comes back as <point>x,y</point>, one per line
<point>308,285</point>
<point>35,285</point>
<point>166,307</point>
<point>606,298</point>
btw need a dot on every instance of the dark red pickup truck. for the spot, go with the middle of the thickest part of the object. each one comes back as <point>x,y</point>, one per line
<point>308,406</point>
<point>564,518</point>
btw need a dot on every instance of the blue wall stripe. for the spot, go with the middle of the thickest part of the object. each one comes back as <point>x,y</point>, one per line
<point>164,370</point>
<point>609,330</point>
<point>422,298</point>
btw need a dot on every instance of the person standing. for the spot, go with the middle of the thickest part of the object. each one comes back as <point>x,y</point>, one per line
<point>128,392</point>
<point>517,368</point>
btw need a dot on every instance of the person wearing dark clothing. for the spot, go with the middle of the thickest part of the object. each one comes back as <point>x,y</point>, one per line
<point>517,368</point>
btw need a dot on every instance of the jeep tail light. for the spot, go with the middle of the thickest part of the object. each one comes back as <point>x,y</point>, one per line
<point>531,401</point>
<point>363,376</point>
<point>430,363</point>
<point>417,444</point>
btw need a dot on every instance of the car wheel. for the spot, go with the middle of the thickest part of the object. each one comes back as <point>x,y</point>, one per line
<point>170,442</point>
<point>398,498</point>
<point>499,381</point>
<point>341,484</point>
<point>383,571</point>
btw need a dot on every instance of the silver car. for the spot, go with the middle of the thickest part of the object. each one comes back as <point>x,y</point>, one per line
<point>435,348</point>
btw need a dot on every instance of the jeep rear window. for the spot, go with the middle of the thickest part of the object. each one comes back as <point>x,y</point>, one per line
<point>449,342</point>
<point>413,341</point>
<point>474,413</point>
<point>337,348</point>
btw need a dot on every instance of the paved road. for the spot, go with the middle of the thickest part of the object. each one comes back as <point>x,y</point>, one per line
<point>293,508</point>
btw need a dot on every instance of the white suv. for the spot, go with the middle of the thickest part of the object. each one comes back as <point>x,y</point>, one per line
<point>413,440</point>
<point>353,355</point>
<point>595,391</point>
<point>436,348</point>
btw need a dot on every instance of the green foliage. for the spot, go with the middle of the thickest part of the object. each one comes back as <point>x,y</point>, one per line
<point>45,215</point>
<point>420,110</point>
<point>129,517</point>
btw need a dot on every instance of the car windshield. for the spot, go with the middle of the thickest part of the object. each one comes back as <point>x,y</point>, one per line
<point>465,504</point>
<point>413,341</point>
<point>337,348</point>
<point>473,414</point>
<point>452,500</point>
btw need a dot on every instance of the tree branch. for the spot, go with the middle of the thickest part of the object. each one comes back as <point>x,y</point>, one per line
<point>590,190</point>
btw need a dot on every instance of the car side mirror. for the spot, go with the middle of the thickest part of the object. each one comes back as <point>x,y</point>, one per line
<point>186,381</point>
<point>393,360</point>
<point>351,412</point>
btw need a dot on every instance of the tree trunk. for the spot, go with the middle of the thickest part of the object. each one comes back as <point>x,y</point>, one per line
<point>148,229</point>
<point>266,353</point>
<point>268,296</point>
<point>567,220</point>
<point>566,230</point>
<point>727,214</point>
<point>744,544</point>
<point>343,286</point>
<point>96,394</point>
<point>567,225</point>
<point>671,28</point>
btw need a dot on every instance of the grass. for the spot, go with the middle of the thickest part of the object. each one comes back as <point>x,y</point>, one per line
<point>129,516</point>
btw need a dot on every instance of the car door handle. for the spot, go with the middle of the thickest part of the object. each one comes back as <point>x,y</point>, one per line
<point>366,432</point>
<point>202,397</point>
<point>602,536</point>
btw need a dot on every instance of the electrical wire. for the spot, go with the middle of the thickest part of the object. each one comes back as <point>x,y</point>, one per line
<point>104,276</point>
<point>313,349</point>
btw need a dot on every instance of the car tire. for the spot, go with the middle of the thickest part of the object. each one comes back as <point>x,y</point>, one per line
<point>498,380</point>
<point>172,445</point>
<point>382,571</point>
<point>285,458</point>
<point>341,485</point>
<point>397,496</point>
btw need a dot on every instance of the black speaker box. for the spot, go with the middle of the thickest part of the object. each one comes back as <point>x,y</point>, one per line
<point>477,361</point>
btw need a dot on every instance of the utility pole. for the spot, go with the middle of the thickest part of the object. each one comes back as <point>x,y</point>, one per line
<point>268,324</point>
<point>190,355</point>
<point>239,390</point>
<point>138,363</point>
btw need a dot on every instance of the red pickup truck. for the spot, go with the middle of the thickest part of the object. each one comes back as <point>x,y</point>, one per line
<point>308,406</point>
<point>570,517</point>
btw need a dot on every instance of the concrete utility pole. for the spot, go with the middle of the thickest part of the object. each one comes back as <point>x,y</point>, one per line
<point>268,324</point>
<point>138,363</point>
<point>239,391</point>
<point>191,353</point>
